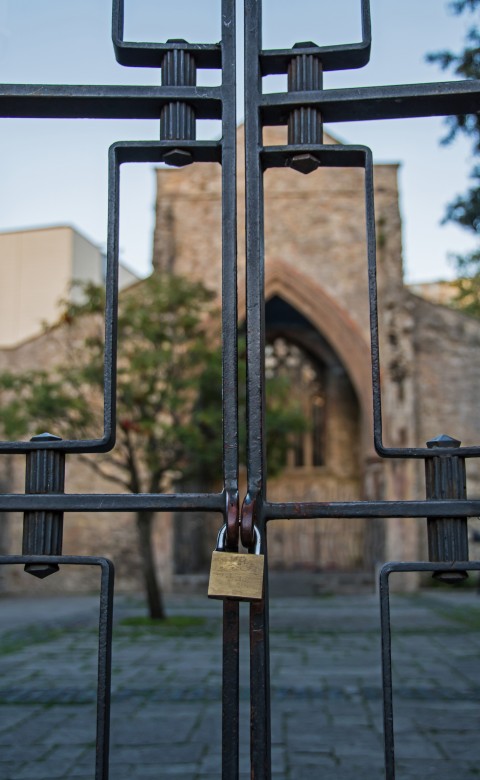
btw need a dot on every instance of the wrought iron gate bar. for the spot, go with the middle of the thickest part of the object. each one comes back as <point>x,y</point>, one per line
<point>215,502</point>
<point>329,155</point>
<point>51,101</point>
<point>231,611</point>
<point>371,103</point>
<point>391,568</point>
<point>353,509</point>
<point>114,502</point>
<point>260,725</point>
<point>104,641</point>
<point>155,151</point>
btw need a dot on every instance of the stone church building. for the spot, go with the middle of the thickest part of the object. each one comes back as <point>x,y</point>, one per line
<point>317,332</point>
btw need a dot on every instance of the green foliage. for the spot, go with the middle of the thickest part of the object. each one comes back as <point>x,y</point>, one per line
<point>467,296</point>
<point>184,627</point>
<point>465,209</point>
<point>169,412</point>
<point>32,401</point>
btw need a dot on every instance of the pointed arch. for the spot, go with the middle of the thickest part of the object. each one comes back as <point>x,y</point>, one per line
<point>334,323</point>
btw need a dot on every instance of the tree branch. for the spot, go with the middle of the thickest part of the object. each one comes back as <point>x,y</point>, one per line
<point>97,467</point>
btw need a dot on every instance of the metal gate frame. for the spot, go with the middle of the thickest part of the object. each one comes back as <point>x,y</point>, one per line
<point>303,108</point>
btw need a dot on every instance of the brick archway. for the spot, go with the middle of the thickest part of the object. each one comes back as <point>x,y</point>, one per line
<point>335,325</point>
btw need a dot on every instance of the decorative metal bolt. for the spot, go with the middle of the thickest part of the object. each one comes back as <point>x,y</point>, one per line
<point>304,163</point>
<point>445,477</point>
<point>43,531</point>
<point>305,125</point>
<point>178,157</point>
<point>177,120</point>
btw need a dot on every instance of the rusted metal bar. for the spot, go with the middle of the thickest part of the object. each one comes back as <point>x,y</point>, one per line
<point>230,690</point>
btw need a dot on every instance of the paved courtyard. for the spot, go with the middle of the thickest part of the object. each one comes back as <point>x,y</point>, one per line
<point>326,689</point>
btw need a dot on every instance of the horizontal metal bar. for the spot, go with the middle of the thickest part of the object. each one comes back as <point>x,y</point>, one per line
<point>154,151</point>
<point>368,103</point>
<point>419,566</point>
<point>348,57</point>
<point>355,509</point>
<point>329,155</point>
<point>150,55</point>
<point>52,101</point>
<point>73,560</point>
<point>115,502</point>
<point>420,453</point>
<point>105,444</point>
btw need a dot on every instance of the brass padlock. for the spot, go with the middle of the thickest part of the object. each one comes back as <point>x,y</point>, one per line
<point>236,575</point>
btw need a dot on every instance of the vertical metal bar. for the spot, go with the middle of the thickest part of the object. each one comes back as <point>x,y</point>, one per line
<point>260,717</point>
<point>260,749</point>
<point>231,609</point>
<point>255,285</point>
<point>104,671</point>
<point>387,676</point>
<point>229,251</point>
<point>111,300</point>
<point>230,690</point>
<point>231,668</point>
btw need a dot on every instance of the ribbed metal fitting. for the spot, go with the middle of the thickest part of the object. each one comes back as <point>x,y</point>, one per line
<point>445,478</point>
<point>43,531</point>
<point>177,120</point>
<point>305,125</point>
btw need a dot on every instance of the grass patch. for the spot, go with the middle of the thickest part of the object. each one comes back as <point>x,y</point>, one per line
<point>467,617</point>
<point>16,641</point>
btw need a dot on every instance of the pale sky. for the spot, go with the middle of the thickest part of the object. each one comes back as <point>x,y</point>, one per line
<point>54,172</point>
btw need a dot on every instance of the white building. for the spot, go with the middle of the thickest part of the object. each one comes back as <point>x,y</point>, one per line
<point>37,268</point>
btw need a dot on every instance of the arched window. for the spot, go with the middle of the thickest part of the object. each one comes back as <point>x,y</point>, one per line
<point>307,381</point>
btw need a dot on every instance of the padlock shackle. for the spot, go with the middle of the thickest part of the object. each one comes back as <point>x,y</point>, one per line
<point>222,537</point>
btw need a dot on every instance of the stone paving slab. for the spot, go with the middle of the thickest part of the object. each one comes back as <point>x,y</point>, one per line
<point>166,686</point>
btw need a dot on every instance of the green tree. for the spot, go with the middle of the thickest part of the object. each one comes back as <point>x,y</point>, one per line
<point>169,412</point>
<point>465,209</point>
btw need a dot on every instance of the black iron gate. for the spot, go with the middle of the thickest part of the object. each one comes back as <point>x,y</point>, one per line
<point>303,108</point>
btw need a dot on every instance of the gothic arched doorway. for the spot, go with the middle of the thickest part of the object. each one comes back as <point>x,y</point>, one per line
<point>323,463</point>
